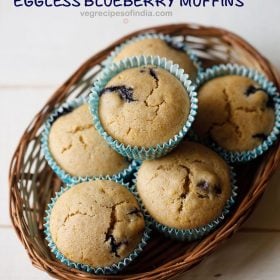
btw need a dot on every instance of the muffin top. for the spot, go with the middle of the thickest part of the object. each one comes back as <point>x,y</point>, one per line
<point>97,223</point>
<point>143,106</point>
<point>186,189</point>
<point>79,149</point>
<point>235,112</point>
<point>158,47</point>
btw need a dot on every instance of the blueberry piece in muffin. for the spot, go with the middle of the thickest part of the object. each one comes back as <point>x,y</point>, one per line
<point>125,93</point>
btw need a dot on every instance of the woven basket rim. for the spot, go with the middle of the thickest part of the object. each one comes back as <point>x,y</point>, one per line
<point>210,243</point>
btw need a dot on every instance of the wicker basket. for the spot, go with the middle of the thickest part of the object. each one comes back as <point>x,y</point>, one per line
<point>32,182</point>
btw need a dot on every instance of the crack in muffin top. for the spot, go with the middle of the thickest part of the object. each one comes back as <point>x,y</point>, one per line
<point>234,112</point>
<point>79,149</point>
<point>186,189</point>
<point>96,223</point>
<point>158,47</point>
<point>153,112</point>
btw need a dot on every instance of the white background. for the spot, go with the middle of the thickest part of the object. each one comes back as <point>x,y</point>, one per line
<point>40,48</point>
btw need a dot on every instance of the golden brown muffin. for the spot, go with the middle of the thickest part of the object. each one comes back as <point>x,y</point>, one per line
<point>96,223</point>
<point>186,189</point>
<point>79,149</point>
<point>235,112</point>
<point>158,47</point>
<point>143,106</point>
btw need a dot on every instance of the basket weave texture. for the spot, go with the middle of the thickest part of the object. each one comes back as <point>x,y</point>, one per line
<point>32,183</point>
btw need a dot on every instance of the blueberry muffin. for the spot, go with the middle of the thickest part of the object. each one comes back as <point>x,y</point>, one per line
<point>143,106</point>
<point>186,189</point>
<point>96,223</point>
<point>78,148</point>
<point>158,47</point>
<point>235,112</point>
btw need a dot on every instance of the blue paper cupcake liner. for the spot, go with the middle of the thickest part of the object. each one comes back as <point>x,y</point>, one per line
<point>167,38</point>
<point>135,152</point>
<point>195,233</point>
<point>264,83</point>
<point>62,174</point>
<point>113,269</point>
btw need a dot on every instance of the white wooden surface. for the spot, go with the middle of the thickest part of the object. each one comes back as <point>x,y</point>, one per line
<point>40,48</point>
